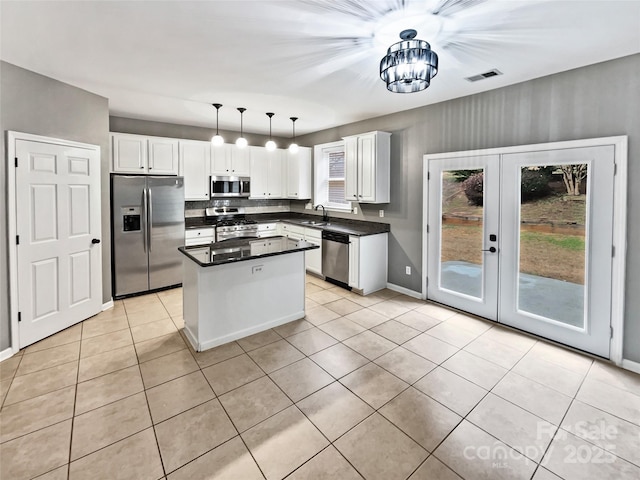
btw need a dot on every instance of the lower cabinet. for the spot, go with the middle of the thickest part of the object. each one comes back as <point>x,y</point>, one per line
<point>267,229</point>
<point>199,236</point>
<point>313,258</point>
<point>368,263</point>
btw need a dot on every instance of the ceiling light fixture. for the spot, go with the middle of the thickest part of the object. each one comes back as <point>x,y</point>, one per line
<point>293,148</point>
<point>217,139</point>
<point>270,145</point>
<point>241,142</point>
<point>409,65</point>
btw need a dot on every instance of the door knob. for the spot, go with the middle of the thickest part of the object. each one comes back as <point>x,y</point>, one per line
<point>491,249</point>
<point>95,240</point>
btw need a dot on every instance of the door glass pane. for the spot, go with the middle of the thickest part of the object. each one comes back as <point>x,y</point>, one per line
<point>461,236</point>
<point>551,275</point>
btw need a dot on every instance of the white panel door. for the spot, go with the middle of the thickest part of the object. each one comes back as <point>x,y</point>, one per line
<point>58,226</point>
<point>555,273</point>
<point>463,249</point>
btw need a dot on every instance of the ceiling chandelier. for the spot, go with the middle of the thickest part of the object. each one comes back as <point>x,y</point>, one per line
<point>409,65</point>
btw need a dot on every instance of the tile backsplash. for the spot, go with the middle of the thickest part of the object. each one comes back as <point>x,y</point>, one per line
<point>197,208</point>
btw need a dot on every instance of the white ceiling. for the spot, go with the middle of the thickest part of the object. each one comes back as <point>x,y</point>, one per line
<point>314,59</point>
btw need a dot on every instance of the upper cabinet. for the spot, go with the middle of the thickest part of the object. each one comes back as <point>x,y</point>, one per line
<point>145,155</point>
<point>267,173</point>
<point>231,161</point>
<point>195,163</point>
<point>367,165</point>
<point>298,173</point>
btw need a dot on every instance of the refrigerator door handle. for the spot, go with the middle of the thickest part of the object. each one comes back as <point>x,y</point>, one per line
<point>150,201</point>
<point>144,219</point>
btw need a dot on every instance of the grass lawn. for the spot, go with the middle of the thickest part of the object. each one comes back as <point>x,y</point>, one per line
<point>548,255</point>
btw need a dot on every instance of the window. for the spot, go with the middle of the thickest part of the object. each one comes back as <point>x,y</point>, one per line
<point>330,176</point>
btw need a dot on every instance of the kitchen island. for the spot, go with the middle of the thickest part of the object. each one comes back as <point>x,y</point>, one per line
<point>236,288</point>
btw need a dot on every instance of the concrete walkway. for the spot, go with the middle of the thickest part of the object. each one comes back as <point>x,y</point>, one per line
<point>555,299</point>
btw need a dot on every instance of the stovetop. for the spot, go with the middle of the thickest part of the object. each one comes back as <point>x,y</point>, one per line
<point>234,221</point>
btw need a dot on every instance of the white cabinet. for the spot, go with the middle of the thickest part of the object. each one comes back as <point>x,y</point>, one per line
<point>199,236</point>
<point>367,165</point>
<point>298,170</point>
<point>195,159</point>
<point>229,160</point>
<point>267,229</point>
<point>145,155</point>
<point>313,258</point>
<point>368,262</point>
<point>293,231</point>
<point>267,170</point>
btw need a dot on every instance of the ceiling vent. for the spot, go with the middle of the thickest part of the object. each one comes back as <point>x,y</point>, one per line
<point>491,73</point>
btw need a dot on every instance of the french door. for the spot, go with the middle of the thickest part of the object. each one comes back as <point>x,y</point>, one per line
<point>526,239</point>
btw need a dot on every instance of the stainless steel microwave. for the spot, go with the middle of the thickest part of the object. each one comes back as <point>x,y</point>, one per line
<point>230,186</point>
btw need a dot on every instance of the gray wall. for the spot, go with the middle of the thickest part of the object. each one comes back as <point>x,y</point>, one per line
<point>595,101</point>
<point>36,104</point>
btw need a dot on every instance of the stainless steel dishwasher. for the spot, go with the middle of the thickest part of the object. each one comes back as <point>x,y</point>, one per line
<point>335,256</point>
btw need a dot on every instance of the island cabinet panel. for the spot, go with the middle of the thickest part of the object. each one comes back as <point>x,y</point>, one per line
<point>226,302</point>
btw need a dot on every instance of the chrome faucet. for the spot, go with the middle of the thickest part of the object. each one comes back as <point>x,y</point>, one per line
<point>325,216</point>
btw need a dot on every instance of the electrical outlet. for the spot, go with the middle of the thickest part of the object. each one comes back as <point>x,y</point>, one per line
<point>355,210</point>
<point>407,270</point>
<point>381,213</point>
<point>256,269</point>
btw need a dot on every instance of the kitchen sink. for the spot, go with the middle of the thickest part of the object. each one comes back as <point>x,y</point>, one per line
<point>313,222</point>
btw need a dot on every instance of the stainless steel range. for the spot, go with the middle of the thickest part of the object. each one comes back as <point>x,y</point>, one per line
<point>231,223</point>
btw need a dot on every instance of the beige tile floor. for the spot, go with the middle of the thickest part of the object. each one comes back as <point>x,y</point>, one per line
<point>378,387</point>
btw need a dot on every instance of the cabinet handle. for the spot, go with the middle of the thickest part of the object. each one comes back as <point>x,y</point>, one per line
<point>141,167</point>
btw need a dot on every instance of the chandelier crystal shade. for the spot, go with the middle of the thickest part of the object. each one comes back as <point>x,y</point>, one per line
<point>270,145</point>
<point>217,139</point>
<point>241,142</point>
<point>293,148</point>
<point>409,65</point>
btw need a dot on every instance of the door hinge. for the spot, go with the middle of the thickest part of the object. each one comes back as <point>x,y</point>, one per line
<point>19,316</point>
<point>613,251</point>
<point>16,162</point>
<point>611,331</point>
<point>427,228</point>
<point>427,281</point>
<point>17,239</point>
<point>428,175</point>
<point>615,168</point>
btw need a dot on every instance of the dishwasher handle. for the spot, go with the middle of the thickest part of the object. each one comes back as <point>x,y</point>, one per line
<point>335,237</point>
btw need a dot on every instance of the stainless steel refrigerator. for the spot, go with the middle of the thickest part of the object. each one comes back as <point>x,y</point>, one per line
<point>147,221</point>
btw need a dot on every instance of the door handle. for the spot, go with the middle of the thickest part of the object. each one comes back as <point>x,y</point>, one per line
<point>150,225</point>
<point>491,249</point>
<point>144,219</point>
<point>95,240</point>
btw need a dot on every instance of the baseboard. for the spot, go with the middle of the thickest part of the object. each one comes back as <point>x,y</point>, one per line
<point>107,305</point>
<point>405,291</point>
<point>631,366</point>
<point>6,353</point>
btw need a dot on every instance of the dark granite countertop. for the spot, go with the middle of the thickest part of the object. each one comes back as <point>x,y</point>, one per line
<point>233,251</point>
<point>351,227</point>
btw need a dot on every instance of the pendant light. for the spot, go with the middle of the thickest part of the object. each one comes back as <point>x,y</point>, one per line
<point>217,139</point>
<point>270,145</point>
<point>241,142</point>
<point>409,65</point>
<point>293,148</point>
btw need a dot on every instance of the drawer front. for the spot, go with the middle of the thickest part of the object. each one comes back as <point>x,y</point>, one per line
<point>199,232</point>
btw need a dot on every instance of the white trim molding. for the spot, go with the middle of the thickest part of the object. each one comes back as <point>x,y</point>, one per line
<point>406,291</point>
<point>107,305</point>
<point>7,353</point>
<point>619,237</point>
